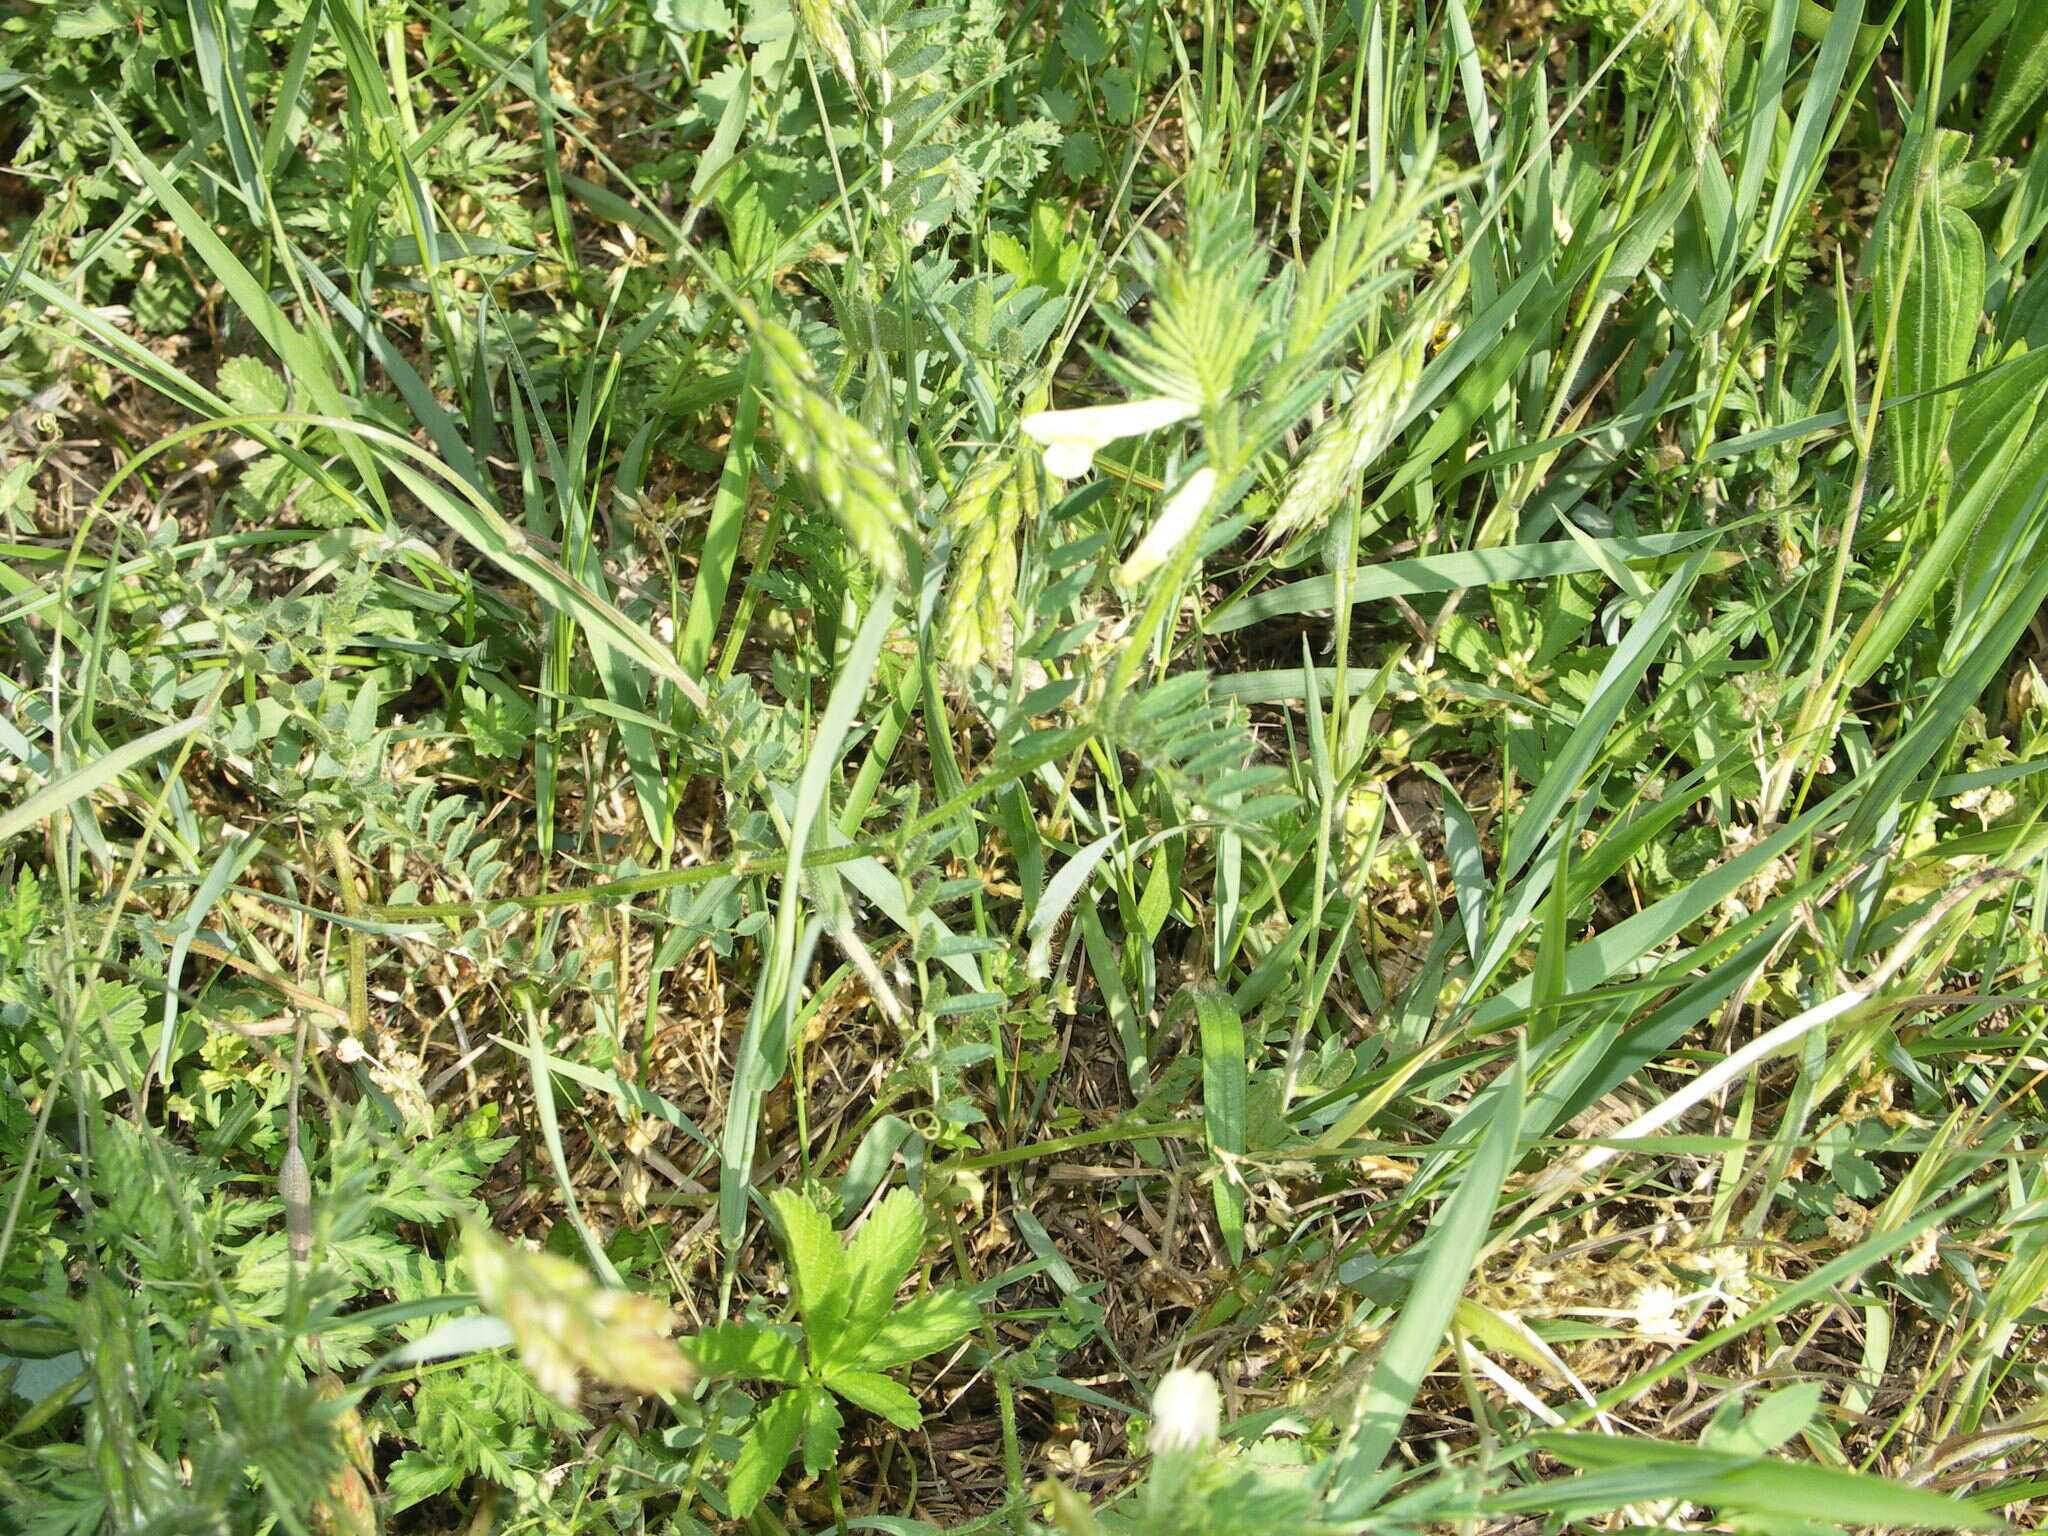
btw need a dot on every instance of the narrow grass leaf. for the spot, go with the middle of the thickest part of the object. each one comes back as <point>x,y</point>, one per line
<point>1611,696</point>
<point>1223,1103</point>
<point>95,775</point>
<point>1455,1236</point>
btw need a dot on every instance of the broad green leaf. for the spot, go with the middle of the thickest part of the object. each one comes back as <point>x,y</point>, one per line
<point>877,1259</point>
<point>822,1289</point>
<point>745,1352</point>
<point>878,1395</point>
<point>822,1425</point>
<point>1775,1419</point>
<point>924,1326</point>
<point>1931,262</point>
<point>764,1452</point>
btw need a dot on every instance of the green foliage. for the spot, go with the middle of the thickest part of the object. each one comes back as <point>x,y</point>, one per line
<point>851,1332</point>
<point>1361,685</point>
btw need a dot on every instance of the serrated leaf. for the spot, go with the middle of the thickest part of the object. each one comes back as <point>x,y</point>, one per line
<point>764,1452</point>
<point>745,1352</point>
<point>878,1395</point>
<point>822,1425</point>
<point>877,1260</point>
<point>250,384</point>
<point>820,1265</point>
<point>933,1322</point>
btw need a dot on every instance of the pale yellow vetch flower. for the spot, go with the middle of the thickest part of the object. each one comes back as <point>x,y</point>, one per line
<point>1177,521</point>
<point>1072,438</point>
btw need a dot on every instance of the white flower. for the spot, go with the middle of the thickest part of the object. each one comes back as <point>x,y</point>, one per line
<point>1187,1412</point>
<point>1177,520</point>
<point>1656,1313</point>
<point>1071,438</point>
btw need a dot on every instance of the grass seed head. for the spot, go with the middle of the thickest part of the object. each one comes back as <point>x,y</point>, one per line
<point>567,1326</point>
<point>824,31</point>
<point>985,514</point>
<point>845,464</point>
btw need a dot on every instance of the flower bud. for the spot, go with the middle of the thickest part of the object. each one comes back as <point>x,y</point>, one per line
<point>1187,1413</point>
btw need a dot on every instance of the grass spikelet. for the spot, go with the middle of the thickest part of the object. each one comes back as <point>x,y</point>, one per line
<point>1346,445</point>
<point>974,624</point>
<point>824,31</point>
<point>567,1326</point>
<point>1696,59</point>
<point>851,473</point>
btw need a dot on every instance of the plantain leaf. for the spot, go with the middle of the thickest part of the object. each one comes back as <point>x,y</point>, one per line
<point>1931,265</point>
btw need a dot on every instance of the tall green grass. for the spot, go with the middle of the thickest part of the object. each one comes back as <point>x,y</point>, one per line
<point>1361,685</point>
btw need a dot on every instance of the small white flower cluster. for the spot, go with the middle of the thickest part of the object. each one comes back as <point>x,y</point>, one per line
<point>1660,1311</point>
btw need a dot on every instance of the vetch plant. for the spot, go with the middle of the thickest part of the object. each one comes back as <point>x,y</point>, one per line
<point>1179,520</point>
<point>1072,438</point>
